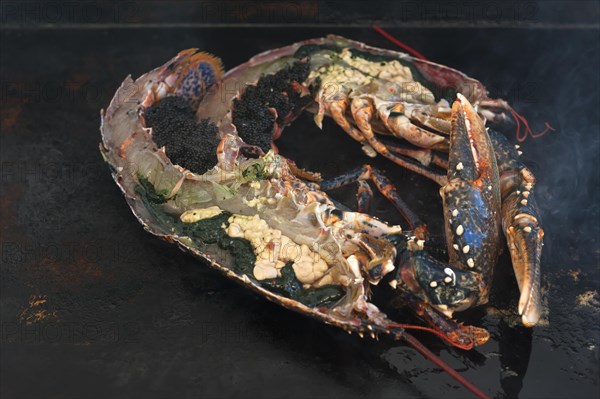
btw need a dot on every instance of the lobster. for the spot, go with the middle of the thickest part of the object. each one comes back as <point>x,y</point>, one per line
<point>193,150</point>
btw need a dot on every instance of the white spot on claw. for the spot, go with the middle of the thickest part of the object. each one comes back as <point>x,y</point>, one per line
<point>455,212</point>
<point>527,229</point>
<point>451,277</point>
<point>459,230</point>
<point>526,194</point>
<point>466,249</point>
<point>524,202</point>
<point>470,262</point>
<point>459,166</point>
<point>433,284</point>
<point>455,246</point>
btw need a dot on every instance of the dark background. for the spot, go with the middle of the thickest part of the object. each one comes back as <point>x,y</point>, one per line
<point>94,307</point>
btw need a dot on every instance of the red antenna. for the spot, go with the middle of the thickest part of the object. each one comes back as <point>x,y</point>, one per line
<point>397,42</point>
<point>520,118</point>
<point>422,349</point>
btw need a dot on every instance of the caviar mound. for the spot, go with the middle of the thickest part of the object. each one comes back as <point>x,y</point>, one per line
<point>187,143</point>
<point>252,113</point>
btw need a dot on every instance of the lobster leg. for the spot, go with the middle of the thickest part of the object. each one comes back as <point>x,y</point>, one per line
<point>435,117</point>
<point>365,135</point>
<point>424,156</point>
<point>362,112</point>
<point>360,222</point>
<point>338,109</point>
<point>368,233</point>
<point>393,116</point>
<point>364,195</point>
<point>383,184</point>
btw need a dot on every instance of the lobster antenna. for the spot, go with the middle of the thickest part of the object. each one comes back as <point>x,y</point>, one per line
<point>435,359</point>
<point>518,117</point>
<point>398,43</point>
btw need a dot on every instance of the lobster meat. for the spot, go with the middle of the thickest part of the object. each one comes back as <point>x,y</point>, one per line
<point>194,152</point>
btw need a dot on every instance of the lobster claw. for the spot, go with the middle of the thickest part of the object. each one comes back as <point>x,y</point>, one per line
<point>521,226</point>
<point>524,237</point>
<point>434,290</point>
<point>444,287</point>
<point>471,199</point>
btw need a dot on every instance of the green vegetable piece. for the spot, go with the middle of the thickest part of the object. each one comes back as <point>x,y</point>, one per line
<point>288,285</point>
<point>209,230</point>
<point>242,253</point>
<point>158,197</point>
<point>254,172</point>
<point>322,296</point>
<point>150,198</point>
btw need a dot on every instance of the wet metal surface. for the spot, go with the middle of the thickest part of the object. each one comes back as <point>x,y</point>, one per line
<point>93,306</point>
